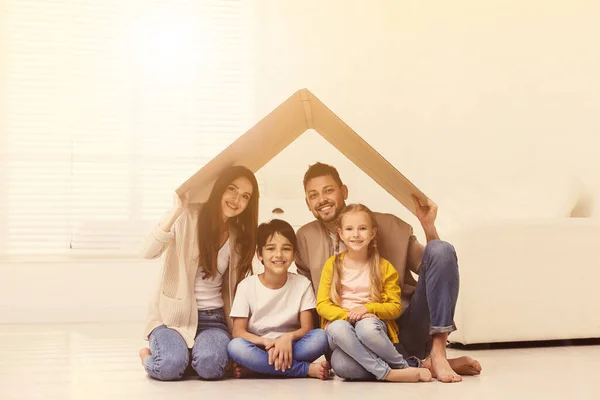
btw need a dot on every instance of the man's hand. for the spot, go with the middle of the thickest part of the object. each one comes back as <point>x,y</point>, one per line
<point>426,213</point>
<point>356,314</point>
<point>282,352</point>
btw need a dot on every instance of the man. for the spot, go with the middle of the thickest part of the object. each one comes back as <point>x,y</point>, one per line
<point>428,305</point>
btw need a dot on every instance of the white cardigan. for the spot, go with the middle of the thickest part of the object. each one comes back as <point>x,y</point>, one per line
<point>175,303</point>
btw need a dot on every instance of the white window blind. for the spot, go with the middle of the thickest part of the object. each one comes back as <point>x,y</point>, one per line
<point>106,107</point>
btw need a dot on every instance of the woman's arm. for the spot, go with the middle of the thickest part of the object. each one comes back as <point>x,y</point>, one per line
<point>158,240</point>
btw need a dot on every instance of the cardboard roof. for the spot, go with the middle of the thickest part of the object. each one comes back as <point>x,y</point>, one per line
<point>300,112</point>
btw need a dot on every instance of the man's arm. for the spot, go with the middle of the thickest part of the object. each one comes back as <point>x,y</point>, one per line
<point>414,253</point>
<point>426,214</point>
<point>302,256</point>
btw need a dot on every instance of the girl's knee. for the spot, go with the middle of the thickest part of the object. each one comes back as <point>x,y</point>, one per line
<point>338,327</point>
<point>368,329</point>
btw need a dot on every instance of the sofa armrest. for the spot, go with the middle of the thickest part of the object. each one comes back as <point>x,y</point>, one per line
<point>528,280</point>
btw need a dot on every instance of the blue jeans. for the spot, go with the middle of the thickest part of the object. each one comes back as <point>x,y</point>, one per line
<point>170,354</point>
<point>432,306</point>
<point>306,350</point>
<point>431,311</point>
<point>365,347</point>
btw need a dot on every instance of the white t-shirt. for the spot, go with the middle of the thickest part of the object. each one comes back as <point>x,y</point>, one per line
<point>273,312</point>
<point>208,291</point>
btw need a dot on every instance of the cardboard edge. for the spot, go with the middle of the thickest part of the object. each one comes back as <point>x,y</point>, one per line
<point>346,140</point>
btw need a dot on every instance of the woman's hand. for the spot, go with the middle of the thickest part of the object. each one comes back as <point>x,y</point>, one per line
<point>181,202</point>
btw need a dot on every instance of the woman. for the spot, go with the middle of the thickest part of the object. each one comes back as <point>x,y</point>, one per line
<point>209,249</point>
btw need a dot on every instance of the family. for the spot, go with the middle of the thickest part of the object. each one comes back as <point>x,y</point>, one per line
<point>354,299</point>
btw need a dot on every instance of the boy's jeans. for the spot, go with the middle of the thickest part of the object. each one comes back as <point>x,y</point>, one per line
<point>306,350</point>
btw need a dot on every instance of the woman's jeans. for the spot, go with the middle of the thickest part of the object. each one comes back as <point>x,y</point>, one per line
<point>171,356</point>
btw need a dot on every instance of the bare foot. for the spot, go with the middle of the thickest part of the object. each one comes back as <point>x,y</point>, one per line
<point>424,375</point>
<point>441,369</point>
<point>409,375</point>
<point>144,353</point>
<point>465,366</point>
<point>461,365</point>
<point>319,370</point>
<point>243,372</point>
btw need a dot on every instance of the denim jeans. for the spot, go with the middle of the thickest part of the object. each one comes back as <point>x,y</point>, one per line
<point>306,350</point>
<point>432,306</point>
<point>431,311</point>
<point>171,356</point>
<point>364,347</point>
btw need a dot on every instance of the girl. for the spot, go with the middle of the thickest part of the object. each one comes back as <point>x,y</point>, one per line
<point>272,317</point>
<point>209,248</point>
<point>359,299</point>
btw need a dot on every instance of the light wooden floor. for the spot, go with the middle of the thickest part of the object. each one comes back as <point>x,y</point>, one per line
<point>99,361</point>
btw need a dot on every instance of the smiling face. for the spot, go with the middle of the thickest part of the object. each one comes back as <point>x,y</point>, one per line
<point>325,197</point>
<point>277,254</point>
<point>357,230</point>
<point>236,197</point>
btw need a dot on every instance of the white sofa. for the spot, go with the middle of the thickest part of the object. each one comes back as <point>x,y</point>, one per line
<point>528,280</point>
<point>529,269</point>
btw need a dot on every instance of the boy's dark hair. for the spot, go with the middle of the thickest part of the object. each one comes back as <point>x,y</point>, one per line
<point>268,229</point>
<point>321,169</point>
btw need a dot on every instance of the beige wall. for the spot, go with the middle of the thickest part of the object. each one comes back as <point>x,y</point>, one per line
<point>451,92</point>
<point>457,95</point>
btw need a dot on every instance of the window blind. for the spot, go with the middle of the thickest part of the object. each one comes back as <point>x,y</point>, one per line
<point>107,106</point>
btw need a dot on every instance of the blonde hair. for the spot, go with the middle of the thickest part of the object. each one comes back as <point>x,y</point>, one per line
<point>376,276</point>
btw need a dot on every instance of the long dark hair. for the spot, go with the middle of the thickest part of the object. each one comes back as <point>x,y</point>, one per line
<point>210,221</point>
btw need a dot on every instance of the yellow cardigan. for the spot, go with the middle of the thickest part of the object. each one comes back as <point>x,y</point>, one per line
<point>387,310</point>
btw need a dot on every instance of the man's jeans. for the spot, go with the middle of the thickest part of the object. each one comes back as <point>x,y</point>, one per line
<point>312,346</point>
<point>170,354</point>
<point>431,310</point>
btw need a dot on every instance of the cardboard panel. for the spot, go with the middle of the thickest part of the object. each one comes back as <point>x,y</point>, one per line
<point>254,148</point>
<point>348,142</point>
<point>282,126</point>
